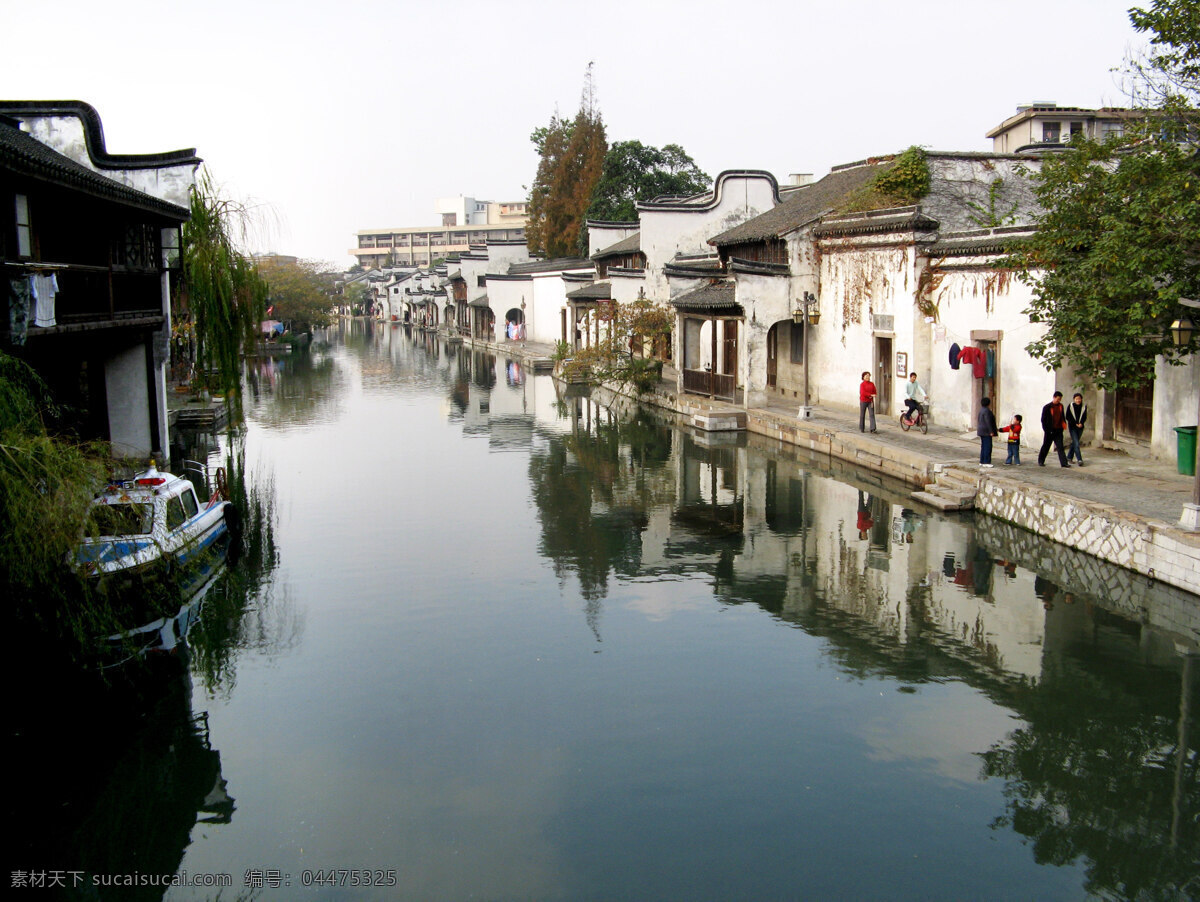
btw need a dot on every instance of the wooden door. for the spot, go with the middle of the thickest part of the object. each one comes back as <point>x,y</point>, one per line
<point>730,350</point>
<point>773,357</point>
<point>883,376</point>
<point>1135,412</point>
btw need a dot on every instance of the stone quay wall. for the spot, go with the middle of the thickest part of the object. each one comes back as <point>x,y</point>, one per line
<point>1150,547</point>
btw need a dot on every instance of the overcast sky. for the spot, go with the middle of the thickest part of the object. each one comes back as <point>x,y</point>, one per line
<point>359,114</point>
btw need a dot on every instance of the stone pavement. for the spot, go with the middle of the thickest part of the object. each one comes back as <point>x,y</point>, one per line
<point>1148,488</point>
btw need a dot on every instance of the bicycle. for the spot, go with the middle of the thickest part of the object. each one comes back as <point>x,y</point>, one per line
<point>921,421</point>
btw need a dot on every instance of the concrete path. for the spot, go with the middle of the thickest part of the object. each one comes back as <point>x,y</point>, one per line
<point>1147,488</point>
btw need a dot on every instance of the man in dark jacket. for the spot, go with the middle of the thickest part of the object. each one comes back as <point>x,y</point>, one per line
<point>1075,415</point>
<point>986,430</point>
<point>1053,423</point>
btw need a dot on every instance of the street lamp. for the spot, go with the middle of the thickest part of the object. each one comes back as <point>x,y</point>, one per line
<point>1181,335</point>
<point>811,312</point>
<point>1181,331</point>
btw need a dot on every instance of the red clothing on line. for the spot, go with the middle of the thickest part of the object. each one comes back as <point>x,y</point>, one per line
<point>976,358</point>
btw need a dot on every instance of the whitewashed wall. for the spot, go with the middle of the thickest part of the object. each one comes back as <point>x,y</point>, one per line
<point>678,229</point>
<point>980,300</point>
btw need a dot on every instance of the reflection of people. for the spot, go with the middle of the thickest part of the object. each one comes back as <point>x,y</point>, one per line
<point>908,525</point>
<point>865,522</point>
<point>1045,590</point>
<point>914,395</point>
<point>866,402</point>
<point>1053,422</point>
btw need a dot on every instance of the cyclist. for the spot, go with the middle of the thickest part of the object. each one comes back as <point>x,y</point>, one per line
<point>915,395</point>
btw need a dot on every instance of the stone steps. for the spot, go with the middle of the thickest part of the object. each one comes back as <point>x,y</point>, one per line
<point>951,491</point>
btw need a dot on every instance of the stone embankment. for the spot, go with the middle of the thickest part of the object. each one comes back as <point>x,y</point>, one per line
<point>1117,509</point>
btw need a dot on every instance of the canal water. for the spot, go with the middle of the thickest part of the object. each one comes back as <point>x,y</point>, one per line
<point>491,639</point>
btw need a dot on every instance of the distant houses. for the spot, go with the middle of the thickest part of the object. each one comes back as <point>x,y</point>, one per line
<point>787,293</point>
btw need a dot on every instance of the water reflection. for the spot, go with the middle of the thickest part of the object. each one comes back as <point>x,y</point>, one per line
<point>115,783</point>
<point>1103,770</point>
<point>611,657</point>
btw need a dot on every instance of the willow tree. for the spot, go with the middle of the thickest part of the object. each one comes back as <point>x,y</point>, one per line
<point>224,292</point>
<point>571,158</point>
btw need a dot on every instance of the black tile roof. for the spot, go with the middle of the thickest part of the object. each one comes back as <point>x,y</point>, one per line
<point>801,206</point>
<point>28,157</point>
<point>628,245</point>
<point>597,291</point>
<point>711,297</point>
<point>558,263</point>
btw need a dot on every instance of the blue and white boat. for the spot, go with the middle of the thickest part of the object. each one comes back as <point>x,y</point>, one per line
<point>154,549</point>
<point>153,521</point>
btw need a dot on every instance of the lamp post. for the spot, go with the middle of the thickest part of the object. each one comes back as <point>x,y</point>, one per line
<point>1181,334</point>
<point>806,315</point>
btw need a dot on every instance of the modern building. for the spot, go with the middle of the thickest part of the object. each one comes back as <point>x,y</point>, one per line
<point>466,222</point>
<point>1045,126</point>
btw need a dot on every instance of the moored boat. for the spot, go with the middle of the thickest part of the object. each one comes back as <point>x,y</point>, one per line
<point>152,548</point>
<point>152,521</point>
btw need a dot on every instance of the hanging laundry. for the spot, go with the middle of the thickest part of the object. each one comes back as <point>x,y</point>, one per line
<point>955,350</point>
<point>991,362</point>
<point>976,358</point>
<point>44,288</point>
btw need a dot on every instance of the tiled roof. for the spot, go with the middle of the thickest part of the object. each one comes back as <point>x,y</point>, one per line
<point>897,219</point>
<point>977,243</point>
<point>628,245</point>
<point>597,291</point>
<point>801,206</point>
<point>713,296</point>
<point>694,267</point>
<point>26,156</point>
<point>558,263</point>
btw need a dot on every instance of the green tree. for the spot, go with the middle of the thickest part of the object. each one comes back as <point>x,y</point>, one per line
<point>612,359</point>
<point>298,293</point>
<point>1118,243</point>
<point>634,172</point>
<point>571,155</point>
<point>222,288</point>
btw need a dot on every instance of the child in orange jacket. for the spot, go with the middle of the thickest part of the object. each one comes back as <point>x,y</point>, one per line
<point>1014,440</point>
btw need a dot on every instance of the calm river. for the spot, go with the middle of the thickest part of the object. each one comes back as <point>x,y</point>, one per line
<point>494,641</point>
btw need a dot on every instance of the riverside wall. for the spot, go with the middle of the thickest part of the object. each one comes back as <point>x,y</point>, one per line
<point>1145,546</point>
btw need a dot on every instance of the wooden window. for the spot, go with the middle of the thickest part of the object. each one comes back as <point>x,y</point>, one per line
<point>24,235</point>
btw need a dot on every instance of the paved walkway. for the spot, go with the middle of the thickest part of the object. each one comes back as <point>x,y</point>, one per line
<point>1147,488</point>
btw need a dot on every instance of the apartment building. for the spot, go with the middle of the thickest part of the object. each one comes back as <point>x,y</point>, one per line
<point>1044,125</point>
<point>466,222</point>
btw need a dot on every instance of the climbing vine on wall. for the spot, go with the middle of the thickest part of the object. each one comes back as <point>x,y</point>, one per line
<point>995,213</point>
<point>904,182</point>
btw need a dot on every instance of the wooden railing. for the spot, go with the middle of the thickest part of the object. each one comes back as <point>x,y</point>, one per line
<point>716,385</point>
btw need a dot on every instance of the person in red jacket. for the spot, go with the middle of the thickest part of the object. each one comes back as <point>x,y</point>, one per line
<point>866,402</point>
<point>1014,440</point>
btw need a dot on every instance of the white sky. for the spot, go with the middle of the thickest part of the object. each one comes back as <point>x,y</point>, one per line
<point>358,114</point>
